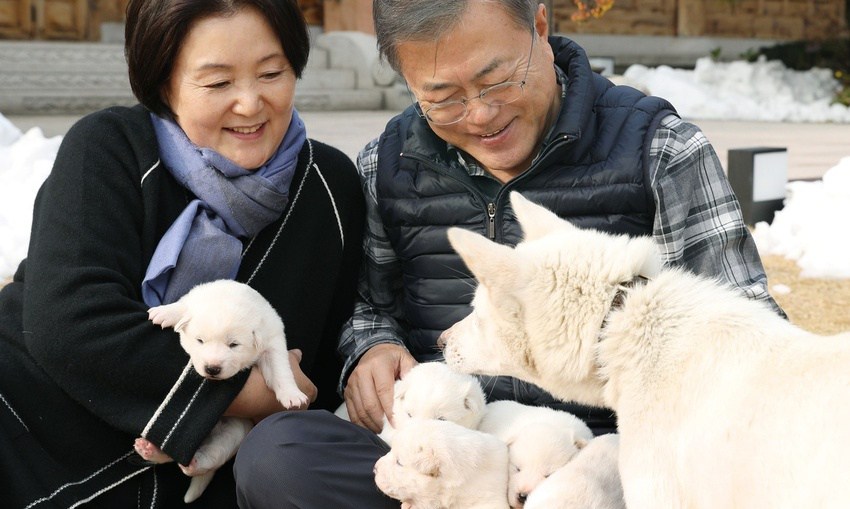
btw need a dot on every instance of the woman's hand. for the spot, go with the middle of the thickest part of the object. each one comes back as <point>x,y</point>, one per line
<point>256,401</point>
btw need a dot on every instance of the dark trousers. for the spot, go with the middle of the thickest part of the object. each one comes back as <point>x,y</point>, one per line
<point>309,460</point>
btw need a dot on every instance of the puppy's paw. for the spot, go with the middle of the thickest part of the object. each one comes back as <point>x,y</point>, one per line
<point>193,468</point>
<point>150,452</point>
<point>292,398</point>
<point>165,316</point>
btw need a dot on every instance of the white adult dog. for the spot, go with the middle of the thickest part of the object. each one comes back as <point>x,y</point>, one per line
<point>720,402</point>
<point>442,465</point>
<point>540,441</point>
<point>225,327</point>
<point>432,390</point>
<point>591,480</point>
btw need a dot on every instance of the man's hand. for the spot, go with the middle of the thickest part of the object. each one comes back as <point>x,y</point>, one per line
<point>369,392</point>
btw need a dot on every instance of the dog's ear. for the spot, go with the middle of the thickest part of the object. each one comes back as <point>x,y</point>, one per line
<point>181,324</point>
<point>492,264</point>
<point>427,462</point>
<point>536,221</point>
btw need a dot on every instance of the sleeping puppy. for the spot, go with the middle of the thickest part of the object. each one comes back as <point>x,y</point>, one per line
<point>540,441</point>
<point>432,390</point>
<point>590,481</point>
<point>442,465</point>
<point>225,327</point>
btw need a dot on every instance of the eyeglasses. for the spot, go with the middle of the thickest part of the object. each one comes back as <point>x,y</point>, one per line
<point>452,112</point>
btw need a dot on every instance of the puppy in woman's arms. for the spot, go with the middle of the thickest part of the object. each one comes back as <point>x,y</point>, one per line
<point>225,327</point>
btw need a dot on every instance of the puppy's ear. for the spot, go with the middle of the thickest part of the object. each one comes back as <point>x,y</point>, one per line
<point>427,462</point>
<point>180,326</point>
<point>492,264</point>
<point>536,221</point>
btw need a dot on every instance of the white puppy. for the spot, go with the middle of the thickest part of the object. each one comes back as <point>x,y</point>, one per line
<point>442,465</point>
<point>591,480</point>
<point>432,390</point>
<point>720,401</point>
<point>540,441</point>
<point>225,327</point>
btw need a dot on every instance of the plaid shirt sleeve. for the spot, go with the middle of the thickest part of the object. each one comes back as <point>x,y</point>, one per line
<point>698,222</point>
<point>377,316</point>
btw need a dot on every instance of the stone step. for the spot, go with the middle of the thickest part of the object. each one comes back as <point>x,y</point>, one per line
<point>75,78</point>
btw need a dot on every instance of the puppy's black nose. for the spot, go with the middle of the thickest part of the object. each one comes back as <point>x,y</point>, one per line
<point>521,497</point>
<point>213,370</point>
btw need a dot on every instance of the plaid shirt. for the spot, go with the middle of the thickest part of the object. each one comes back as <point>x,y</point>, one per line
<point>698,225</point>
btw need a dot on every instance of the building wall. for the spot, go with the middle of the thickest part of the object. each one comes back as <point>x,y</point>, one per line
<point>769,19</point>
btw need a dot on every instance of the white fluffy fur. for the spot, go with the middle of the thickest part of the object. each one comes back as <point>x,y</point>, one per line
<point>720,402</point>
<point>591,480</point>
<point>540,440</point>
<point>442,465</point>
<point>225,327</point>
<point>432,390</point>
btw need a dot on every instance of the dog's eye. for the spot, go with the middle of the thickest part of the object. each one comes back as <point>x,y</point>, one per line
<point>441,418</point>
<point>199,340</point>
<point>514,468</point>
<point>233,345</point>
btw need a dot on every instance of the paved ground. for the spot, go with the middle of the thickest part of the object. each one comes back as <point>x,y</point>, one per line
<point>812,148</point>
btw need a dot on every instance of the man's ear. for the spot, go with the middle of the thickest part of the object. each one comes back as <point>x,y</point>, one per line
<point>493,265</point>
<point>536,221</point>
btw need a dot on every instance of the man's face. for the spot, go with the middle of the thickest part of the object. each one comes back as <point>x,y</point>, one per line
<point>485,48</point>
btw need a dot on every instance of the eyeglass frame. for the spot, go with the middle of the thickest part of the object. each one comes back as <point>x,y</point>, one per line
<point>481,94</point>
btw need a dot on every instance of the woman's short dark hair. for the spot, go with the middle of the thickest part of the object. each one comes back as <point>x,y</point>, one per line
<point>155,31</point>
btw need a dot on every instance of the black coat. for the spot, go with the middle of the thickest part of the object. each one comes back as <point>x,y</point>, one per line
<point>82,370</point>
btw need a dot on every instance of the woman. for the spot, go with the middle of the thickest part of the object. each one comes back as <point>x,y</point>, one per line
<point>211,177</point>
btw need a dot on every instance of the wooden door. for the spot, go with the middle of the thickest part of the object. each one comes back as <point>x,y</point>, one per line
<point>45,19</point>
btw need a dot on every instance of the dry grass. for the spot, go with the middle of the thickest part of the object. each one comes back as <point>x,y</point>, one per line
<point>817,305</point>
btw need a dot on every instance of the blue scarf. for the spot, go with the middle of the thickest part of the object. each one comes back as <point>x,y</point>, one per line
<point>205,241</point>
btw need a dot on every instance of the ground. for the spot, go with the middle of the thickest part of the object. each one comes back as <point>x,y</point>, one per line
<point>817,305</point>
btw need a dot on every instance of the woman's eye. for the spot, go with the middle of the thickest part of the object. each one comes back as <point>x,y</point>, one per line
<point>218,85</point>
<point>272,75</point>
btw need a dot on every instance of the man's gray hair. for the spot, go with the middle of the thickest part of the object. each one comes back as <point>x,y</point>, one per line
<point>398,21</point>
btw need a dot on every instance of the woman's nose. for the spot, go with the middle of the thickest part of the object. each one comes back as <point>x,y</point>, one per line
<point>248,101</point>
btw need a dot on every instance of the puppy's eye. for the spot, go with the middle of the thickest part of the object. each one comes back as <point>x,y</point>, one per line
<point>409,415</point>
<point>233,345</point>
<point>441,418</point>
<point>199,340</point>
<point>514,468</point>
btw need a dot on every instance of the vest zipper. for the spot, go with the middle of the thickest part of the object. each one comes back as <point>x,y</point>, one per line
<point>491,221</point>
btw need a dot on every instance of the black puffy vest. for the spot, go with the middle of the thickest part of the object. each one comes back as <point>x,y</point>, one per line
<point>594,174</point>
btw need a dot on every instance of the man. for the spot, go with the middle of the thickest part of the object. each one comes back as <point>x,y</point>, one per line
<point>499,106</point>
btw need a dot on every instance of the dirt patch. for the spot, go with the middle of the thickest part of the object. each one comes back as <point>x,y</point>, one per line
<point>817,305</point>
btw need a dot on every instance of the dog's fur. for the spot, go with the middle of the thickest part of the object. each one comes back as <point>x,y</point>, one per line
<point>540,440</point>
<point>225,327</point>
<point>591,480</point>
<point>720,402</point>
<point>432,390</point>
<point>442,465</point>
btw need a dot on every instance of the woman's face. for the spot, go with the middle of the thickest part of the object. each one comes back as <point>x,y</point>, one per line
<point>232,87</point>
